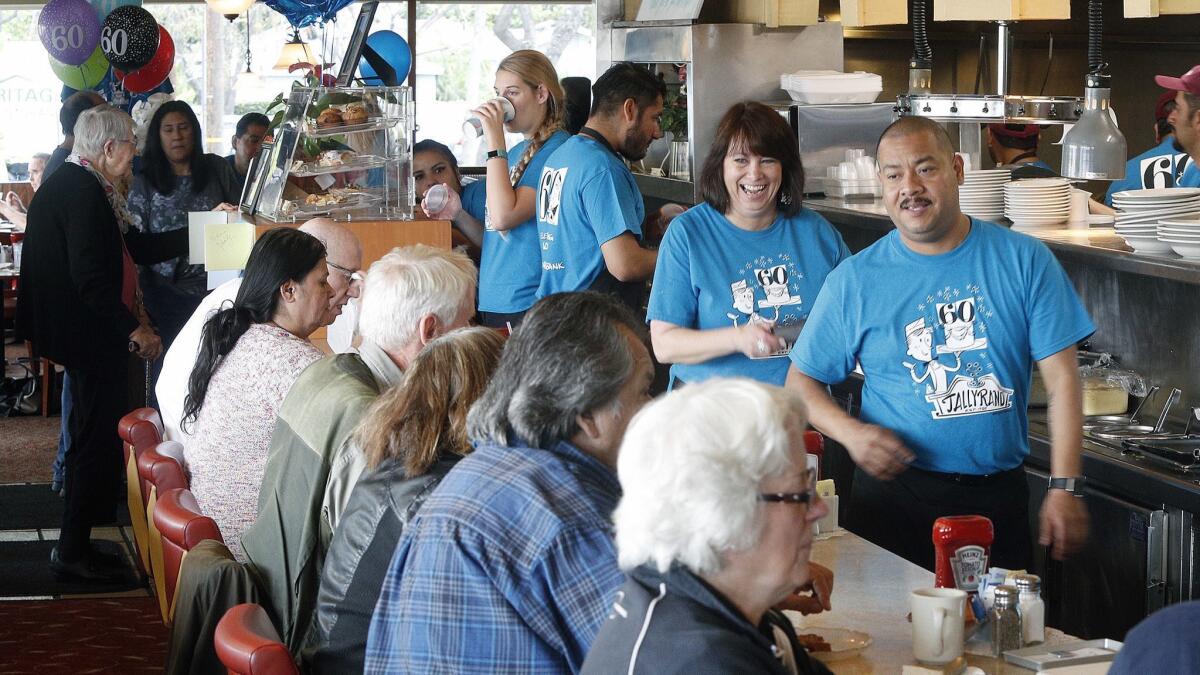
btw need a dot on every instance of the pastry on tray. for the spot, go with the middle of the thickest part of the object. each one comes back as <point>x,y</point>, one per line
<point>354,113</point>
<point>330,118</point>
<point>335,157</point>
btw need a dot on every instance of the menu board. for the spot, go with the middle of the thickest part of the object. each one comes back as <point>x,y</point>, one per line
<point>669,10</point>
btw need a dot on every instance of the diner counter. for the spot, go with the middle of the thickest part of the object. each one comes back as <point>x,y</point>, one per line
<point>871,594</point>
<point>1100,247</point>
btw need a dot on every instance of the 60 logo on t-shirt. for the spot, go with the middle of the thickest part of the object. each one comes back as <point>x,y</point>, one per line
<point>550,194</point>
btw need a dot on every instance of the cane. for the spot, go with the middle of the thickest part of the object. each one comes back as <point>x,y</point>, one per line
<point>133,348</point>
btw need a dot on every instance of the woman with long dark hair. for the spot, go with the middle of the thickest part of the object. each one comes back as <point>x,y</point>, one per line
<point>177,176</point>
<point>250,354</point>
<point>411,438</point>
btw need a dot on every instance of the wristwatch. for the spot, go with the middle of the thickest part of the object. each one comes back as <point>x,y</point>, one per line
<point>1073,485</point>
<point>502,153</point>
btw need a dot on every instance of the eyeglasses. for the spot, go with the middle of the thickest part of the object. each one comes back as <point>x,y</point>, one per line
<point>806,497</point>
<point>351,275</point>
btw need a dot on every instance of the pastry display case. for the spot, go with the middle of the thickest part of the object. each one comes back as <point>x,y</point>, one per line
<point>341,152</point>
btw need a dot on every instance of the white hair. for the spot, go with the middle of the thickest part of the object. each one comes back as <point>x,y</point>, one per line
<point>690,466</point>
<point>98,125</point>
<point>409,283</point>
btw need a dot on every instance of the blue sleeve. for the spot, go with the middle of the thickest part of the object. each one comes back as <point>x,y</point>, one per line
<point>1129,182</point>
<point>533,170</point>
<point>841,251</point>
<point>825,348</point>
<point>673,296</point>
<point>610,206</point>
<point>474,199</point>
<point>1055,314</point>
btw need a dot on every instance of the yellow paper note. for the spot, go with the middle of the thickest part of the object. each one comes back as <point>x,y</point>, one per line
<point>227,245</point>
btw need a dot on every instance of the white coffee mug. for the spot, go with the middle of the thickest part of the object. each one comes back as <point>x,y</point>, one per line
<point>937,622</point>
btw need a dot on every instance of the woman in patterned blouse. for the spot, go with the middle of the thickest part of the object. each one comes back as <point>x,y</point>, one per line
<point>250,354</point>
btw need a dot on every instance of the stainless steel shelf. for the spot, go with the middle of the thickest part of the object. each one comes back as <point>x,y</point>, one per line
<point>1098,247</point>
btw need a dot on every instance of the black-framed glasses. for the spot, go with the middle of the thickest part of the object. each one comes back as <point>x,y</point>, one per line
<point>806,497</point>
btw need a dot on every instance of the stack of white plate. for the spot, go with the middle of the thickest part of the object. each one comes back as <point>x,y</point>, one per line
<point>1035,203</point>
<point>1139,213</point>
<point>982,193</point>
<point>1183,236</point>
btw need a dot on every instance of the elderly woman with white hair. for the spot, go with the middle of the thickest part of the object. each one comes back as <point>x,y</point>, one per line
<point>80,306</point>
<point>714,530</point>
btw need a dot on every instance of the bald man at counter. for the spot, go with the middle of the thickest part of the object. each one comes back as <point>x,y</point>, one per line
<point>344,260</point>
<point>946,316</point>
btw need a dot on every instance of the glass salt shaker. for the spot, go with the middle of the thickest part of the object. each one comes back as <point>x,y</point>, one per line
<point>1033,609</point>
<point>1005,620</point>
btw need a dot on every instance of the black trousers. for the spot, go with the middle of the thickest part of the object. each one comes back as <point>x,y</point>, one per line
<point>500,319</point>
<point>898,514</point>
<point>93,475</point>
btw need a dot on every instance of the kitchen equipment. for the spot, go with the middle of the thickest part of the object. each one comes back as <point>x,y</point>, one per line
<point>830,86</point>
<point>1098,421</point>
<point>712,66</point>
<point>1123,431</point>
<point>1103,397</point>
<point>1178,453</point>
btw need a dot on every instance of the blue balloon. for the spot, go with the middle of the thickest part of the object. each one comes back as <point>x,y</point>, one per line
<point>301,13</point>
<point>393,49</point>
<point>105,7</point>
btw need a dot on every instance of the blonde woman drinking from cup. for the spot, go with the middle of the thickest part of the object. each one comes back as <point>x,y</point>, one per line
<point>511,265</point>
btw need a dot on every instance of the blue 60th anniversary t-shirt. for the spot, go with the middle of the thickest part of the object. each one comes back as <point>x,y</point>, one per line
<point>511,267</point>
<point>586,197</point>
<point>946,342</point>
<point>713,274</point>
<point>1162,166</point>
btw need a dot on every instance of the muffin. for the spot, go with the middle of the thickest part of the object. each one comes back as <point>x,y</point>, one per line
<point>354,113</point>
<point>330,118</point>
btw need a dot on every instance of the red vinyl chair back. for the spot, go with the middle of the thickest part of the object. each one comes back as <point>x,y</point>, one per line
<point>139,430</point>
<point>814,444</point>
<point>162,473</point>
<point>179,521</point>
<point>248,644</point>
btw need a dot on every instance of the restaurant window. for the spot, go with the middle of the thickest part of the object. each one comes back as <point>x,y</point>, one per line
<point>459,45</point>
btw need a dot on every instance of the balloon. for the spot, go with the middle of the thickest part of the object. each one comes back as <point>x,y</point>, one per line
<point>84,76</point>
<point>70,30</point>
<point>105,7</point>
<point>393,49</point>
<point>152,74</point>
<point>301,13</point>
<point>129,37</point>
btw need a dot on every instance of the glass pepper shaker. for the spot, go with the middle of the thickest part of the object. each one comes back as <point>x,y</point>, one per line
<point>1006,621</point>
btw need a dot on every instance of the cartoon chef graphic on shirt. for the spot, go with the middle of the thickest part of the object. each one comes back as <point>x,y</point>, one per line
<point>975,388</point>
<point>780,291</point>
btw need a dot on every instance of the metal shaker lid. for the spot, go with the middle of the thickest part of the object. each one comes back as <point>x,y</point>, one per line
<point>1007,596</point>
<point>1028,583</point>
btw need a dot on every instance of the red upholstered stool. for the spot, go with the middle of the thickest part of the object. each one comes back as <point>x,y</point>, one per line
<point>248,644</point>
<point>139,430</point>
<point>182,526</point>
<point>161,472</point>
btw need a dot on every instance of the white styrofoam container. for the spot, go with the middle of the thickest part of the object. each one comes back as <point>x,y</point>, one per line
<point>829,86</point>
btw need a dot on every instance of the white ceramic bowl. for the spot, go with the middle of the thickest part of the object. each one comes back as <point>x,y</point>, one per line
<point>1190,251</point>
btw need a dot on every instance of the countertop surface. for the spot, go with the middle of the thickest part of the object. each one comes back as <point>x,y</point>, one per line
<point>1097,246</point>
<point>871,594</point>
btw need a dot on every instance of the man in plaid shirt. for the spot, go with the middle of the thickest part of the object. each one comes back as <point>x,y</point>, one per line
<point>510,564</point>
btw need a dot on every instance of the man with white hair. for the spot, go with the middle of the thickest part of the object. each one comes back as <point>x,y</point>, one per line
<point>344,260</point>
<point>411,296</point>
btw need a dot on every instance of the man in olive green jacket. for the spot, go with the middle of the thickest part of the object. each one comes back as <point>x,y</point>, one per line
<point>411,296</point>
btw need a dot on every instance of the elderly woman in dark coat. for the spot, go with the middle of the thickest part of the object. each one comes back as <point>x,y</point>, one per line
<point>80,306</point>
<point>714,530</point>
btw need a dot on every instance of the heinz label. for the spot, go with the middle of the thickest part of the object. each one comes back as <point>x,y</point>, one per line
<point>969,564</point>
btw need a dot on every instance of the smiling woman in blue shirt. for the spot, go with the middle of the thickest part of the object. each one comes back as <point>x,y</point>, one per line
<point>737,275</point>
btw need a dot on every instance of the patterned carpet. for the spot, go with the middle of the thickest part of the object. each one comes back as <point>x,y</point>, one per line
<point>114,635</point>
<point>27,447</point>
